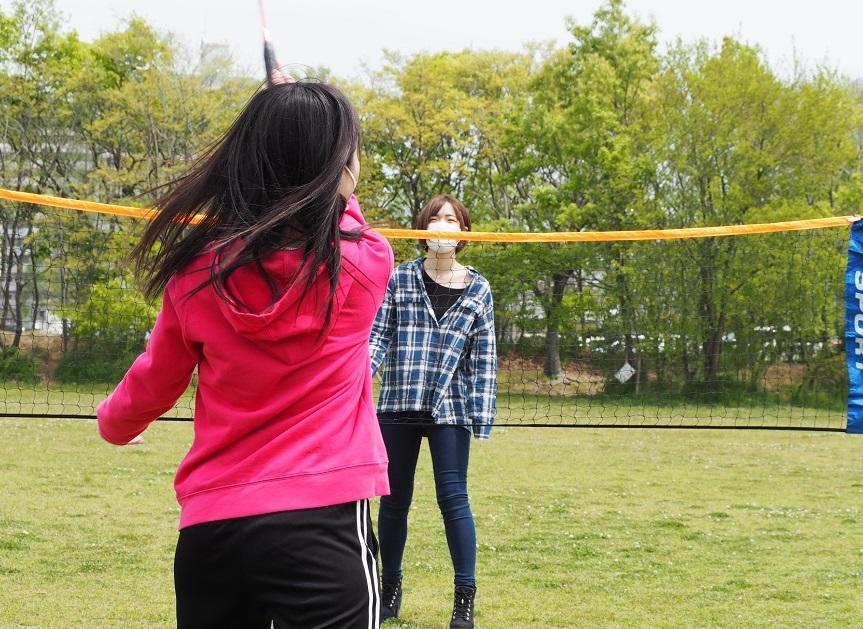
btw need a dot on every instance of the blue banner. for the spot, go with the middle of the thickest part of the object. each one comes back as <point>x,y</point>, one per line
<point>854,328</point>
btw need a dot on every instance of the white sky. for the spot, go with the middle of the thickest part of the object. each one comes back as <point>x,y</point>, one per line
<point>343,34</point>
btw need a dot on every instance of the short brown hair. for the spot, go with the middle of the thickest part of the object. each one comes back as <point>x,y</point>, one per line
<point>434,206</point>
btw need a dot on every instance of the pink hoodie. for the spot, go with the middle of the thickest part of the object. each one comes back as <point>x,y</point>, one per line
<point>284,417</point>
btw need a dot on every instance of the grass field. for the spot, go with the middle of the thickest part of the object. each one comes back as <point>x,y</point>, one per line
<point>577,528</point>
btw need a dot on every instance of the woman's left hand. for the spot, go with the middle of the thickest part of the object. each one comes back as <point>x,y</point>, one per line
<point>279,77</point>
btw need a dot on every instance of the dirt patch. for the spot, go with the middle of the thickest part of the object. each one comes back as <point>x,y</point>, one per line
<point>524,375</point>
<point>46,349</point>
<point>783,376</point>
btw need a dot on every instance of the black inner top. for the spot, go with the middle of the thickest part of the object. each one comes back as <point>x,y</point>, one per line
<point>442,297</point>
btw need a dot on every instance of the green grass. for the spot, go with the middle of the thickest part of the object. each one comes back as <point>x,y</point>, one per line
<point>589,528</point>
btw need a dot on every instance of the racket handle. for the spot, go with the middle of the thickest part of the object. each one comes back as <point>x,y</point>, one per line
<point>270,61</point>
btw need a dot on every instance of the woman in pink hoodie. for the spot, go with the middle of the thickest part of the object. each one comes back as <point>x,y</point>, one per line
<point>270,293</point>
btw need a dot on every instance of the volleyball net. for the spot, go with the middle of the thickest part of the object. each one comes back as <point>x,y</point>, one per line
<point>738,326</point>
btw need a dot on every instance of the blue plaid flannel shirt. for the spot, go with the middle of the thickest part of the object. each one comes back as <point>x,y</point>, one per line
<point>448,367</point>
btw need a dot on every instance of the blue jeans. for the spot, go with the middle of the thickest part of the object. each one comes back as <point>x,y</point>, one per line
<point>450,448</point>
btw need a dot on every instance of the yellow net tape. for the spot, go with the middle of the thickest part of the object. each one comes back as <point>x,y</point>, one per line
<point>411,234</point>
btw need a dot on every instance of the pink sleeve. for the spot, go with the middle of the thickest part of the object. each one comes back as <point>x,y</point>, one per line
<point>376,254</point>
<point>154,382</point>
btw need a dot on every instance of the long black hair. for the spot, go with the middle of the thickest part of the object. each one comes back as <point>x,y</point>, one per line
<point>272,181</point>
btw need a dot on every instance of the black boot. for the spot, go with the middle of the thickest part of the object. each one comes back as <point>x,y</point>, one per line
<point>391,598</point>
<point>462,607</point>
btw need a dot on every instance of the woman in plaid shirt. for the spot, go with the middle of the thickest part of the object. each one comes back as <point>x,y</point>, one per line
<point>434,337</point>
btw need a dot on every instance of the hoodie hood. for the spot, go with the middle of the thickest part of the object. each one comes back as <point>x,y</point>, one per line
<point>298,315</point>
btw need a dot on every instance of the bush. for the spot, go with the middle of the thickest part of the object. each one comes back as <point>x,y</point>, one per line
<point>94,364</point>
<point>115,316</point>
<point>108,331</point>
<point>825,384</point>
<point>14,367</point>
<point>725,392</point>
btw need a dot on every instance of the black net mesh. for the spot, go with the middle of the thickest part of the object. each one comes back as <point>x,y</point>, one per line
<point>741,331</point>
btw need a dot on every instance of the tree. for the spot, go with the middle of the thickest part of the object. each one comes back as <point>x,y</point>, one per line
<point>582,156</point>
<point>428,125</point>
<point>113,120</point>
<point>734,141</point>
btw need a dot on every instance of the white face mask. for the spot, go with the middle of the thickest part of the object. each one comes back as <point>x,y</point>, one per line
<point>353,178</point>
<point>443,246</point>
